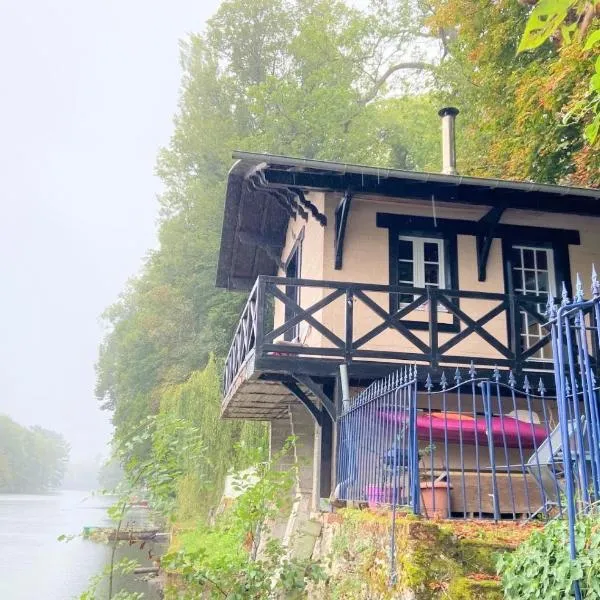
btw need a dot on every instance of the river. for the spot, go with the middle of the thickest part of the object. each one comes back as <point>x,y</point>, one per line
<point>35,566</point>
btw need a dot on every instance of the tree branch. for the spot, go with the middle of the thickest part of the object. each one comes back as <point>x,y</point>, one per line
<point>417,65</point>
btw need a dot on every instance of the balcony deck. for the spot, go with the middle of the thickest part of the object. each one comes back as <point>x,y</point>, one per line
<point>374,330</point>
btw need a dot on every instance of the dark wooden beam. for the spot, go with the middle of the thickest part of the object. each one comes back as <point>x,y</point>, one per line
<point>308,403</point>
<point>405,187</point>
<point>321,218</point>
<point>342,212</point>
<point>484,239</point>
<point>465,227</point>
<point>316,389</point>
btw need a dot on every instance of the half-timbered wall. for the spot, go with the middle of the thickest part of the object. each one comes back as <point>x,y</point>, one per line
<point>366,260</point>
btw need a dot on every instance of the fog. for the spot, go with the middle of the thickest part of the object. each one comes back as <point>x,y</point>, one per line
<point>87,94</point>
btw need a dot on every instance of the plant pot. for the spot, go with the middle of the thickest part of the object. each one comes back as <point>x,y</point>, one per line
<point>434,499</point>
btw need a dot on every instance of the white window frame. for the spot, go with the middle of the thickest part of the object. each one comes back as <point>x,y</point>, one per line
<point>550,270</point>
<point>418,260</point>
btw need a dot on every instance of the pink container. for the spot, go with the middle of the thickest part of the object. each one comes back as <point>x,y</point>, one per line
<point>377,495</point>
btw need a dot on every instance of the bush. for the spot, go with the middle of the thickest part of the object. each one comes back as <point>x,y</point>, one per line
<point>541,567</point>
<point>223,560</point>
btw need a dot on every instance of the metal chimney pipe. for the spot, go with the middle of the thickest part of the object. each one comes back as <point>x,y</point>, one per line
<point>448,115</point>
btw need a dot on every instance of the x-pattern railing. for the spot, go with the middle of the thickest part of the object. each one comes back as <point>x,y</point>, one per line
<point>432,348</point>
<point>244,339</point>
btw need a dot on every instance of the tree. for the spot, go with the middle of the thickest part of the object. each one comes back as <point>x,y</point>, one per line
<point>31,460</point>
<point>314,78</point>
<point>519,116</point>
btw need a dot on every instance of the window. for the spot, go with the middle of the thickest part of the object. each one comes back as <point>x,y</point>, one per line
<point>421,263</point>
<point>533,275</point>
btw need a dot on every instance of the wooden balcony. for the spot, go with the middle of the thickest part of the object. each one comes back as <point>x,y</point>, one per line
<point>291,329</point>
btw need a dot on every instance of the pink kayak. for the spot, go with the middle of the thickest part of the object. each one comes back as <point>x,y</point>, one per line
<point>505,430</point>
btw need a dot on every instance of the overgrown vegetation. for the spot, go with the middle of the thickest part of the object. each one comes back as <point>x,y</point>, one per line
<point>433,560</point>
<point>32,459</point>
<point>541,568</point>
<point>235,557</point>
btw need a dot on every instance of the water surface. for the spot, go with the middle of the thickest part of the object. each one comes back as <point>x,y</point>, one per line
<point>35,566</point>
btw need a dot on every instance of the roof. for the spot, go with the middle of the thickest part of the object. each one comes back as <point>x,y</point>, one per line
<point>264,191</point>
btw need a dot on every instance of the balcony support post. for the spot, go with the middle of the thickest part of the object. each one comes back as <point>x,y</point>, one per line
<point>310,406</point>
<point>316,389</point>
<point>260,316</point>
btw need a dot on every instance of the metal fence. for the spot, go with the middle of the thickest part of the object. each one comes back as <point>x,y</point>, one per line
<point>575,343</point>
<point>471,447</point>
<point>377,458</point>
<point>485,447</point>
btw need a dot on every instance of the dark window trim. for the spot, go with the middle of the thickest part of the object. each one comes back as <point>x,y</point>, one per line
<point>450,249</point>
<point>463,227</point>
<point>562,266</point>
<point>448,229</point>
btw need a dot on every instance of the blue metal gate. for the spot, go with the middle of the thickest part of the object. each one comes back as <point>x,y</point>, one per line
<point>575,343</point>
<point>471,448</point>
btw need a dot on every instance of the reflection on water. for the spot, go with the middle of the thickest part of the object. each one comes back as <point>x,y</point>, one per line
<point>35,566</point>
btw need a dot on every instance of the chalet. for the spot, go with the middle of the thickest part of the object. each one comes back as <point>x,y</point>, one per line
<point>373,269</point>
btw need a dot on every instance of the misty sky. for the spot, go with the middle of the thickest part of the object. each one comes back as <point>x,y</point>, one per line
<point>88,89</point>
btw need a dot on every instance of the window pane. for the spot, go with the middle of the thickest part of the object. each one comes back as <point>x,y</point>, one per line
<point>405,271</point>
<point>533,329</point>
<point>405,250</point>
<point>528,259</point>
<point>530,282</point>
<point>431,252</point>
<point>542,259</point>
<point>405,298</point>
<point>432,273</point>
<point>533,278</point>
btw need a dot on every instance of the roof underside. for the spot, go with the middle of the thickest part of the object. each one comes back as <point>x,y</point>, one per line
<point>265,191</point>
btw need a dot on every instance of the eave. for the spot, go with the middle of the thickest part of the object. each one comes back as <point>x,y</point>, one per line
<point>265,191</point>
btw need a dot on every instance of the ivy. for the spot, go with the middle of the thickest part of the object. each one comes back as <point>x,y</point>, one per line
<point>541,567</point>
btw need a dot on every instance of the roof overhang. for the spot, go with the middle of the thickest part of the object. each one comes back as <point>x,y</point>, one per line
<point>265,191</point>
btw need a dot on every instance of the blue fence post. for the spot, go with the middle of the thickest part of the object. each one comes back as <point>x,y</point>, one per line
<point>486,389</point>
<point>414,477</point>
<point>563,412</point>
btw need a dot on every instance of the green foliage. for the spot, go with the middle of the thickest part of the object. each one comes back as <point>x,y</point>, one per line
<point>544,20</point>
<point>431,561</point>
<point>568,16</point>
<point>31,459</point>
<point>222,561</point>
<point>523,116</point>
<point>541,567</point>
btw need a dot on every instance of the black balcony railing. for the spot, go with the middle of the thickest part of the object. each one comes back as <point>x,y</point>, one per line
<point>430,326</point>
